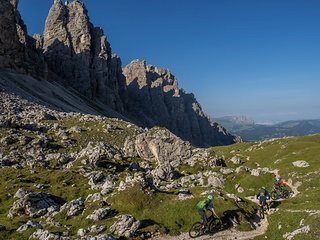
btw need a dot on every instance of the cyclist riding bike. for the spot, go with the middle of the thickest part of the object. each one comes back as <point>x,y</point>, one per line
<point>206,204</point>
<point>263,195</point>
<point>279,184</point>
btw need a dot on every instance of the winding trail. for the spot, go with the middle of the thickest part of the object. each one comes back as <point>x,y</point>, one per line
<point>260,225</point>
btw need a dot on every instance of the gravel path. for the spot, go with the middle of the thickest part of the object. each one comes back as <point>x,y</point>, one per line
<point>260,225</point>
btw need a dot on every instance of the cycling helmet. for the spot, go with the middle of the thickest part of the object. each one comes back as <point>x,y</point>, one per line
<point>210,196</point>
<point>278,178</point>
<point>264,188</point>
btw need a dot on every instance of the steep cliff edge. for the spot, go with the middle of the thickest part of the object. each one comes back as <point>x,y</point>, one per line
<point>17,49</point>
<point>79,53</point>
<point>155,99</point>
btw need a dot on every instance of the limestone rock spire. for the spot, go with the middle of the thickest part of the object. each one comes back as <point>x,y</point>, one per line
<point>79,53</point>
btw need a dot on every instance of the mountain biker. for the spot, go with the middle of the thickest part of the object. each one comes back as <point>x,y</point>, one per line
<point>279,184</point>
<point>206,204</point>
<point>263,195</point>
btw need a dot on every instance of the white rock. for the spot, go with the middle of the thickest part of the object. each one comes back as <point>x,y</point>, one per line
<point>301,164</point>
<point>100,214</point>
<point>289,236</point>
<point>226,170</point>
<point>29,224</point>
<point>126,226</point>
<point>255,172</point>
<point>82,232</point>
<point>236,160</point>
<point>214,181</point>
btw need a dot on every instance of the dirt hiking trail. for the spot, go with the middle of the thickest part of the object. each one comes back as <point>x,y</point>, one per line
<point>259,225</point>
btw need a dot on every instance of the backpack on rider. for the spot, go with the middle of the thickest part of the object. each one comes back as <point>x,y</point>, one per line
<point>263,195</point>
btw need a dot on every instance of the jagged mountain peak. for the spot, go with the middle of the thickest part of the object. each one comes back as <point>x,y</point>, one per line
<point>70,25</point>
<point>155,99</point>
<point>153,74</point>
<point>76,54</point>
<point>80,54</point>
<point>14,3</point>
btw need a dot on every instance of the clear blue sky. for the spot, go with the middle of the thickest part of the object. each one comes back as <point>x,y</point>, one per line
<point>255,58</point>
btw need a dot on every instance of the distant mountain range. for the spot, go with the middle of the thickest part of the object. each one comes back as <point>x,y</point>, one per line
<point>250,131</point>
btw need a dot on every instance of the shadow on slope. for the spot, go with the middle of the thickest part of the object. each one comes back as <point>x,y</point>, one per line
<point>52,95</point>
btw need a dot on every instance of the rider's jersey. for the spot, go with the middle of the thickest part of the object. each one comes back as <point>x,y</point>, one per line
<point>209,205</point>
<point>263,196</point>
<point>205,204</point>
<point>279,183</point>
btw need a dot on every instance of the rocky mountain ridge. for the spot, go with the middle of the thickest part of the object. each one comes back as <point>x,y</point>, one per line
<point>76,54</point>
<point>157,100</point>
<point>244,120</point>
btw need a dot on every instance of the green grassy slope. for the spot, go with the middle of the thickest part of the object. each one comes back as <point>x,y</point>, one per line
<point>163,211</point>
<point>279,154</point>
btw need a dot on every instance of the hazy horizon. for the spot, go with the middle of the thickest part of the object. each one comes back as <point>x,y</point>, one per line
<point>255,58</point>
<point>268,122</point>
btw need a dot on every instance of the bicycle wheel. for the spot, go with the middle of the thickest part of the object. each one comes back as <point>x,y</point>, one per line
<point>274,195</point>
<point>286,194</point>
<point>196,230</point>
<point>261,212</point>
<point>215,225</point>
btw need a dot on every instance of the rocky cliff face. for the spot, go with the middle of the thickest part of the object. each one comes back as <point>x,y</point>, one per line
<point>155,99</point>
<point>10,47</point>
<point>17,49</point>
<point>79,53</point>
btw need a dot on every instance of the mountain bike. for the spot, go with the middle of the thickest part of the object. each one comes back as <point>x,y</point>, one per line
<point>198,228</point>
<point>263,208</point>
<point>280,193</point>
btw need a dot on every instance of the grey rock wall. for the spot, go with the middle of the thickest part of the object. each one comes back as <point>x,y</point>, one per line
<point>155,99</point>
<point>11,49</point>
<point>80,54</point>
<point>17,49</point>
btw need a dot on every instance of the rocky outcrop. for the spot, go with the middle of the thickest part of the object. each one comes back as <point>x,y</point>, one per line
<point>236,160</point>
<point>156,100</point>
<point>45,235</point>
<point>301,164</point>
<point>100,214</point>
<point>74,208</point>
<point>33,204</point>
<point>94,155</point>
<point>79,53</point>
<point>215,180</point>
<point>125,226</point>
<point>29,224</point>
<point>94,229</point>
<point>97,237</point>
<point>161,145</point>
